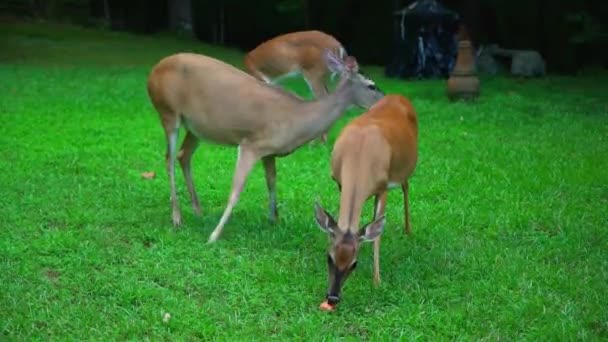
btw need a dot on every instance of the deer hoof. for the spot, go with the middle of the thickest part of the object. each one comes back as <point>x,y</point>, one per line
<point>177,219</point>
<point>212,238</point>
<point>274,217</point>
<point>197,209</point>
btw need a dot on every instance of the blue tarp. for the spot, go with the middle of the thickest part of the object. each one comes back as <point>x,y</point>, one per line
<point>425,41</point>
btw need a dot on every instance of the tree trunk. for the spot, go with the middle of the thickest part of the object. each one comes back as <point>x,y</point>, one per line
<point>222,27</point>
<point>306,14</point>
<point>180,15</point>
<point>470,15</point>
<point>106,12</point>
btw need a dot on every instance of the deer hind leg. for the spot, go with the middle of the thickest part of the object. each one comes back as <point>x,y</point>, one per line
<point>264,78</point>
<point>379,206</point>
<point>184,156</point>
<point>406,208</point>
<point>245,161</point>
<point>315,78</point>
<point>252,69</point>
<point>261,76</point>
<point>271,177</point>
<point>171,123</point>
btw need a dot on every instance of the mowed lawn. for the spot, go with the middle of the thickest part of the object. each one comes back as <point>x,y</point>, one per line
<point>509,206</point>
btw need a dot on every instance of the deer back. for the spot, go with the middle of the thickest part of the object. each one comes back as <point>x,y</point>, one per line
<point>293,51</point>
<point>216,96</point>
<point>378,147</point>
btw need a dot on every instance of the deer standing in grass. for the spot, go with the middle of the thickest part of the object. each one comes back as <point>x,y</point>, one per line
<point>221,104</point>
<point>293,54</point>
<point>374,152</point>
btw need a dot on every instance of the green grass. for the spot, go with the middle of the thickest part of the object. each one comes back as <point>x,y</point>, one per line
<point>509,209</point>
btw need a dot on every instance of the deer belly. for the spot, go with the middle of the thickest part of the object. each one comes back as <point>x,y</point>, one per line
<point>281,77</point>
<point>208,132</point>
<point>393,185</point>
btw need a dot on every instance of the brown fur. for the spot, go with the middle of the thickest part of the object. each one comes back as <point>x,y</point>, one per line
<point>219,103</point>
<point>374,149</point>
<point>294,52</point>
<point>344,254</point>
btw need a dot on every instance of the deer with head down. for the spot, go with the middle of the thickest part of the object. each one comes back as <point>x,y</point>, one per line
<point>221,104</point>
<point>374,152</point>
<point>293,54</point>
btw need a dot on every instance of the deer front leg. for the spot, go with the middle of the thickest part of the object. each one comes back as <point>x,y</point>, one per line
<point>252,69</point>
<point>172,131</point>
<point>380,204</point>
<point>185,156</point>
<point>271,177</point>
<point>315,78</point>
<point>245,161</point>
<point>406,208</point>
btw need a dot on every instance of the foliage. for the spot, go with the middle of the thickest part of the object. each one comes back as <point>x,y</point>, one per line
<point>366,28</point>
<point>74,10</point>
<point>293,7</point>
<point>590,29</point>
<point>240,17</point>
<point>508,210</point>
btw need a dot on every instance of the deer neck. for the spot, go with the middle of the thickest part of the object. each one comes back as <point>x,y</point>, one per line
<point>317,116</point>
<point>353,195</point>
<point>351,205</point>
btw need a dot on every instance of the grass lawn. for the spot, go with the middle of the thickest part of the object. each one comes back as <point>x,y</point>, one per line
<point>509,208</point>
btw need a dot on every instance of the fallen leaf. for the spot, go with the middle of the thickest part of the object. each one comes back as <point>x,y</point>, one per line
<point>149,175</point>
<point>325,306</point>
<point>52,275</point>
<point>166,317</point>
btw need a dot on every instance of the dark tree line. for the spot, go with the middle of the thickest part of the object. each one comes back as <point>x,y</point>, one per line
<point>569,33</point>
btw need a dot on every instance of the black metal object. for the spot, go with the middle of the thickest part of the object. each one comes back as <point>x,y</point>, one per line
<point>424,41</point>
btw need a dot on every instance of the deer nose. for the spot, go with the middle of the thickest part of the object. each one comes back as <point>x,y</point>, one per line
<point>333,299</point>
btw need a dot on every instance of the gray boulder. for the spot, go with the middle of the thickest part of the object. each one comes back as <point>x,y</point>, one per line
<point>527,63</point>
<point>486,63</point>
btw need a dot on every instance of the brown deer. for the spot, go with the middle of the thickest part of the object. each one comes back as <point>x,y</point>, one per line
<point>293,54</point>
<point>374,152</point>
<point>221,104</point>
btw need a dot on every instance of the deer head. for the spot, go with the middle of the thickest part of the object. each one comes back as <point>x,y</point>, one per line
<point>344,249</point>
<point>364,91</point>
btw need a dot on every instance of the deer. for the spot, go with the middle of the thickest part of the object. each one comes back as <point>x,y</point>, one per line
<point>293,54</point>
<point>375,152</point>
<point>219,103</point>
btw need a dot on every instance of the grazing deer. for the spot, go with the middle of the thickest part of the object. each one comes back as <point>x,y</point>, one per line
<point>374,152</point>
<point>293,54</point>
<point>219,103</point>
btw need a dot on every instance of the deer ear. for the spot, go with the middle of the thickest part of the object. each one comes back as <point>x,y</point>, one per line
<point>372,230</point>
<point>324,220</point>
<point>351,63</point>
<point>334,64</point>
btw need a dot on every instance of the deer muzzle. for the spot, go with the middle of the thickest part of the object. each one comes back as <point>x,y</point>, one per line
<point>333,299</point>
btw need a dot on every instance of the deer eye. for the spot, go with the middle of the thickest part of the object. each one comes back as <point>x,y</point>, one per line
<point>330,260</point>
<point>372,87</point>
<point>353,265</point>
